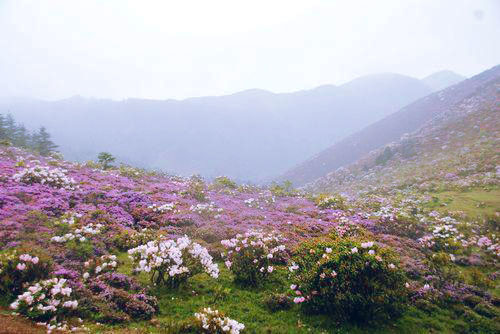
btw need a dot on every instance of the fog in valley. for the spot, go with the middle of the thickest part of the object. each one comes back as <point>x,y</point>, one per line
<point>244,89</point>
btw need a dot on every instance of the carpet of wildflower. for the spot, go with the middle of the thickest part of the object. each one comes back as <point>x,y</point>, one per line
<point>124,250</point>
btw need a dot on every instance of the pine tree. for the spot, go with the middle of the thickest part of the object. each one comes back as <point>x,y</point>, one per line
<point>10,127</point>
<point>105,159</point>
<point>3,129</point>
<point>21,137</point>
<point>42,142</point>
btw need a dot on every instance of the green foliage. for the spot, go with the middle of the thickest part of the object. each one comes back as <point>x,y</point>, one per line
<point>42,143</point>
<point>15,273</point>
<point>281,190</point>
<point>277,302</point>
<point>384,156</point>
<point>12,133</point>
<point>252,256</point>
<point>335,202</point>
<point>196,188</point>
<point>225,182</point>
<point>81,250</point>
<point>479,279</point>
<point>342,279</point>
<point>105,159</point>
<point>127,239</point>
<point>442,264</point>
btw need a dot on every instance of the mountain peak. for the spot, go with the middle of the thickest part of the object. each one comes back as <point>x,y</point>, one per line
<point>442,79</point>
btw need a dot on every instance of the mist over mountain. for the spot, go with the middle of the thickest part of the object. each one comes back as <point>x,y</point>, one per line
<point>386,130</point>
<point>442,79</point>
<point>252,135</point>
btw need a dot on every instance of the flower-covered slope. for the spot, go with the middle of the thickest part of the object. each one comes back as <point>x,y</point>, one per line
<point>131,199</point>
<point>457,149</point>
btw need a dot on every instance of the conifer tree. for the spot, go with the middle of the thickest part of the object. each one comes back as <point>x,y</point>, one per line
<point>42,142</point>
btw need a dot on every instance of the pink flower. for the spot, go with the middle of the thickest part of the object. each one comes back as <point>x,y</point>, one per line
<point>21,266</point>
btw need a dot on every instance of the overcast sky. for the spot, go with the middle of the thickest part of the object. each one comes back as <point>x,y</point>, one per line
<point>176,49</point>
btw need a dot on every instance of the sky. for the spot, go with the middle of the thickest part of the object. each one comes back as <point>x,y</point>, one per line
<point>122,49</point>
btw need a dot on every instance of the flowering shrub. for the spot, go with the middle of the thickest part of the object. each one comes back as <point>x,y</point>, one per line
<point>100,265</point>
<point>115,298</point>
<point>17,270</point>
<point>79,234</point>
<point>48,299</point>
<point>251,256</point>
<point>214,322</point>
<point>348,280</point>
<point>162,208</point>
<point>128,239</point>
<point>44,175</point>
<point>276,302</point>
<point>173,261</point>
<point>443,237</point>
<point>206,209</point>
<point>224,182</point>
<point>336,202</point>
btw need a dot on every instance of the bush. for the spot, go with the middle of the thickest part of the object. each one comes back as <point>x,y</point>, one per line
<point>250,256</point>
<point>335,202</point>
<point>18,268</point>
<point>196,189</point>
<point>100,265</point>
<point>49,299</point>
<point>115,298</point>
<point>348,280</point>
<point>172,262</point>
<point>225,182</point>
<point>105,159</point>
<point>210,321</point>
<point>286,189</point>
<point>278,301</point>
<point>128,239</point>
<point>44,175</point>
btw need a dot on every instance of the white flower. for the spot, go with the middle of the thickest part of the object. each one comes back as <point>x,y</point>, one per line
<point>328,250</point>
<point>354,250</point>
<point>367,244</point>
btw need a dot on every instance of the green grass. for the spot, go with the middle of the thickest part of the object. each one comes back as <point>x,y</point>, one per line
<point>246,305</point>
<point>475,203</point>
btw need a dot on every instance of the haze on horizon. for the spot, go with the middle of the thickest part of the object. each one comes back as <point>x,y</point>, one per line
<point>168,49</point>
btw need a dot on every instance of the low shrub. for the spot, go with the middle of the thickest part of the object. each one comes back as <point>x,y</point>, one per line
<point>348,280</point>
<point>54,177</point>
<point>251,256</point>
<point>18,268</point>
<point>335,202</point>
<point>100,265</point>
<point>46,300</point>
<point>277,302</point>
<point>128,239</point>
<point>115,298</point>
<point>172,262</point>
<point>210,321</point>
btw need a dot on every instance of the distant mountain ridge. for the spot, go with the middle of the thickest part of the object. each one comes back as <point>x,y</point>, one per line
<point>250,136</point>
<point>442,79</point>
<point>386,130</point>
<point>456,149</point>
